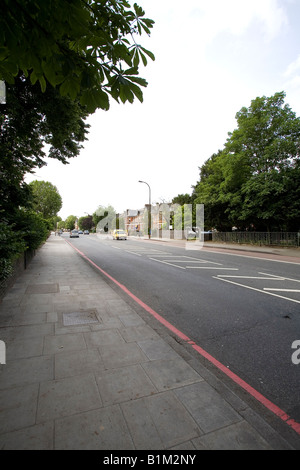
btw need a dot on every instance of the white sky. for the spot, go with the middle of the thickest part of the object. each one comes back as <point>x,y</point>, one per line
<point>212,58</point>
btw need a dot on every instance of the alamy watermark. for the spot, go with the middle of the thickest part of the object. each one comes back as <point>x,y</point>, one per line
<point>173,221</point>
<point>296,354</point>
<point>2,352</point>
<point>2,92</point>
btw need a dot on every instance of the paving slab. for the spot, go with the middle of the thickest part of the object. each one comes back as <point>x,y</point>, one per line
<point>67,396</point>
<point>159,421</point>
<point>48,288</point>
<point>239,436</point>
<point>71,363</point>
<point>172,373</point>
<point>125,384</point>
<point>101,429</point>
<point>208,408</point>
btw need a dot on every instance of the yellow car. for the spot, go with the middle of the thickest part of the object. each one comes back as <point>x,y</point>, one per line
<point>119,235</point>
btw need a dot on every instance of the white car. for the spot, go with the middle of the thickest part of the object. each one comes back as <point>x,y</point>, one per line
<point>74,234</point>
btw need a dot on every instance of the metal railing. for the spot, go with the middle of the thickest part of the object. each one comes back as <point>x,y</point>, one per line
<point>283,239</point>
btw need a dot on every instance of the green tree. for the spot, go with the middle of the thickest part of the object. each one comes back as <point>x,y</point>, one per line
<point>182,199</point>
<point>60,62</point>
<point>55,221</point>
<point>47,200</point>
<point>208,191</point>
<point>86,222</point>
<point>251,182</point>
<point>85,48</point>
<point>264,150</point>
<point>61,224</point>
<point>29,121</point>
<point>70,222</point>
<point>267,135</point>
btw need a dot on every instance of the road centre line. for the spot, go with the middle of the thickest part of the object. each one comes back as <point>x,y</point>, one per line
<point>221,278</point>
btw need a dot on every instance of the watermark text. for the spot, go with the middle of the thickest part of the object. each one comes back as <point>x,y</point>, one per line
<point>296,354</point>
<point>2,352</point>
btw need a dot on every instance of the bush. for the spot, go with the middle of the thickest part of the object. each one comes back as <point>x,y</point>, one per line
<point>33,227</point>
<point>28,232</point>
<point>11,245</point>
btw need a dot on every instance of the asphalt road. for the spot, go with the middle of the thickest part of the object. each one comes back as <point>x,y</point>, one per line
<point>244,311</point>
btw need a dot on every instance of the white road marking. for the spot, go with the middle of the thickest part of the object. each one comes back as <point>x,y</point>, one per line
<point>165,262</point>
<point>133,253</point>
<point>255,277</point>
<point>282,290</point>
<point>212,267</point>
<point>285,278</point>
<point>185,261</point>
<point>221,278</point>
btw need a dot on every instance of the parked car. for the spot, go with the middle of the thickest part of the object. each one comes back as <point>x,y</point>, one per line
<point>119,235</point>
<point>86,232</point>
<point>74,234</point>
<point>191,235</point>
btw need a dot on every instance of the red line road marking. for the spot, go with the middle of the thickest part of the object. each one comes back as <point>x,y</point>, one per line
<point>257,395</point>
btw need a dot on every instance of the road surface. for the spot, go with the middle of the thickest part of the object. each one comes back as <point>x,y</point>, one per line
<point>244,311</point>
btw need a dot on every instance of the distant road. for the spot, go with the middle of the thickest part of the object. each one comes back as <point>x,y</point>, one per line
<point>244,311</point>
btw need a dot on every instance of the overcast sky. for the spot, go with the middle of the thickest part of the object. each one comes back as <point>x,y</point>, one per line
<point>212,58</point>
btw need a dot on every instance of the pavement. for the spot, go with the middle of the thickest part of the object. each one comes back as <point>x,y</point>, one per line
<point>88,368</point>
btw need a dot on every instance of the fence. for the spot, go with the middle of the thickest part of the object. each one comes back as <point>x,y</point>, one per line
<point>283,239</point>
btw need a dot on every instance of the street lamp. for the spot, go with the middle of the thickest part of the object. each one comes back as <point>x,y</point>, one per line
<point>149,212</point>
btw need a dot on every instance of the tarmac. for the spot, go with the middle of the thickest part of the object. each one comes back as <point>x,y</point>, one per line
<point>87,368</point>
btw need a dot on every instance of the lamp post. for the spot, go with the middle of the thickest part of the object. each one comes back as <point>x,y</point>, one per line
<point>149,212</point>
